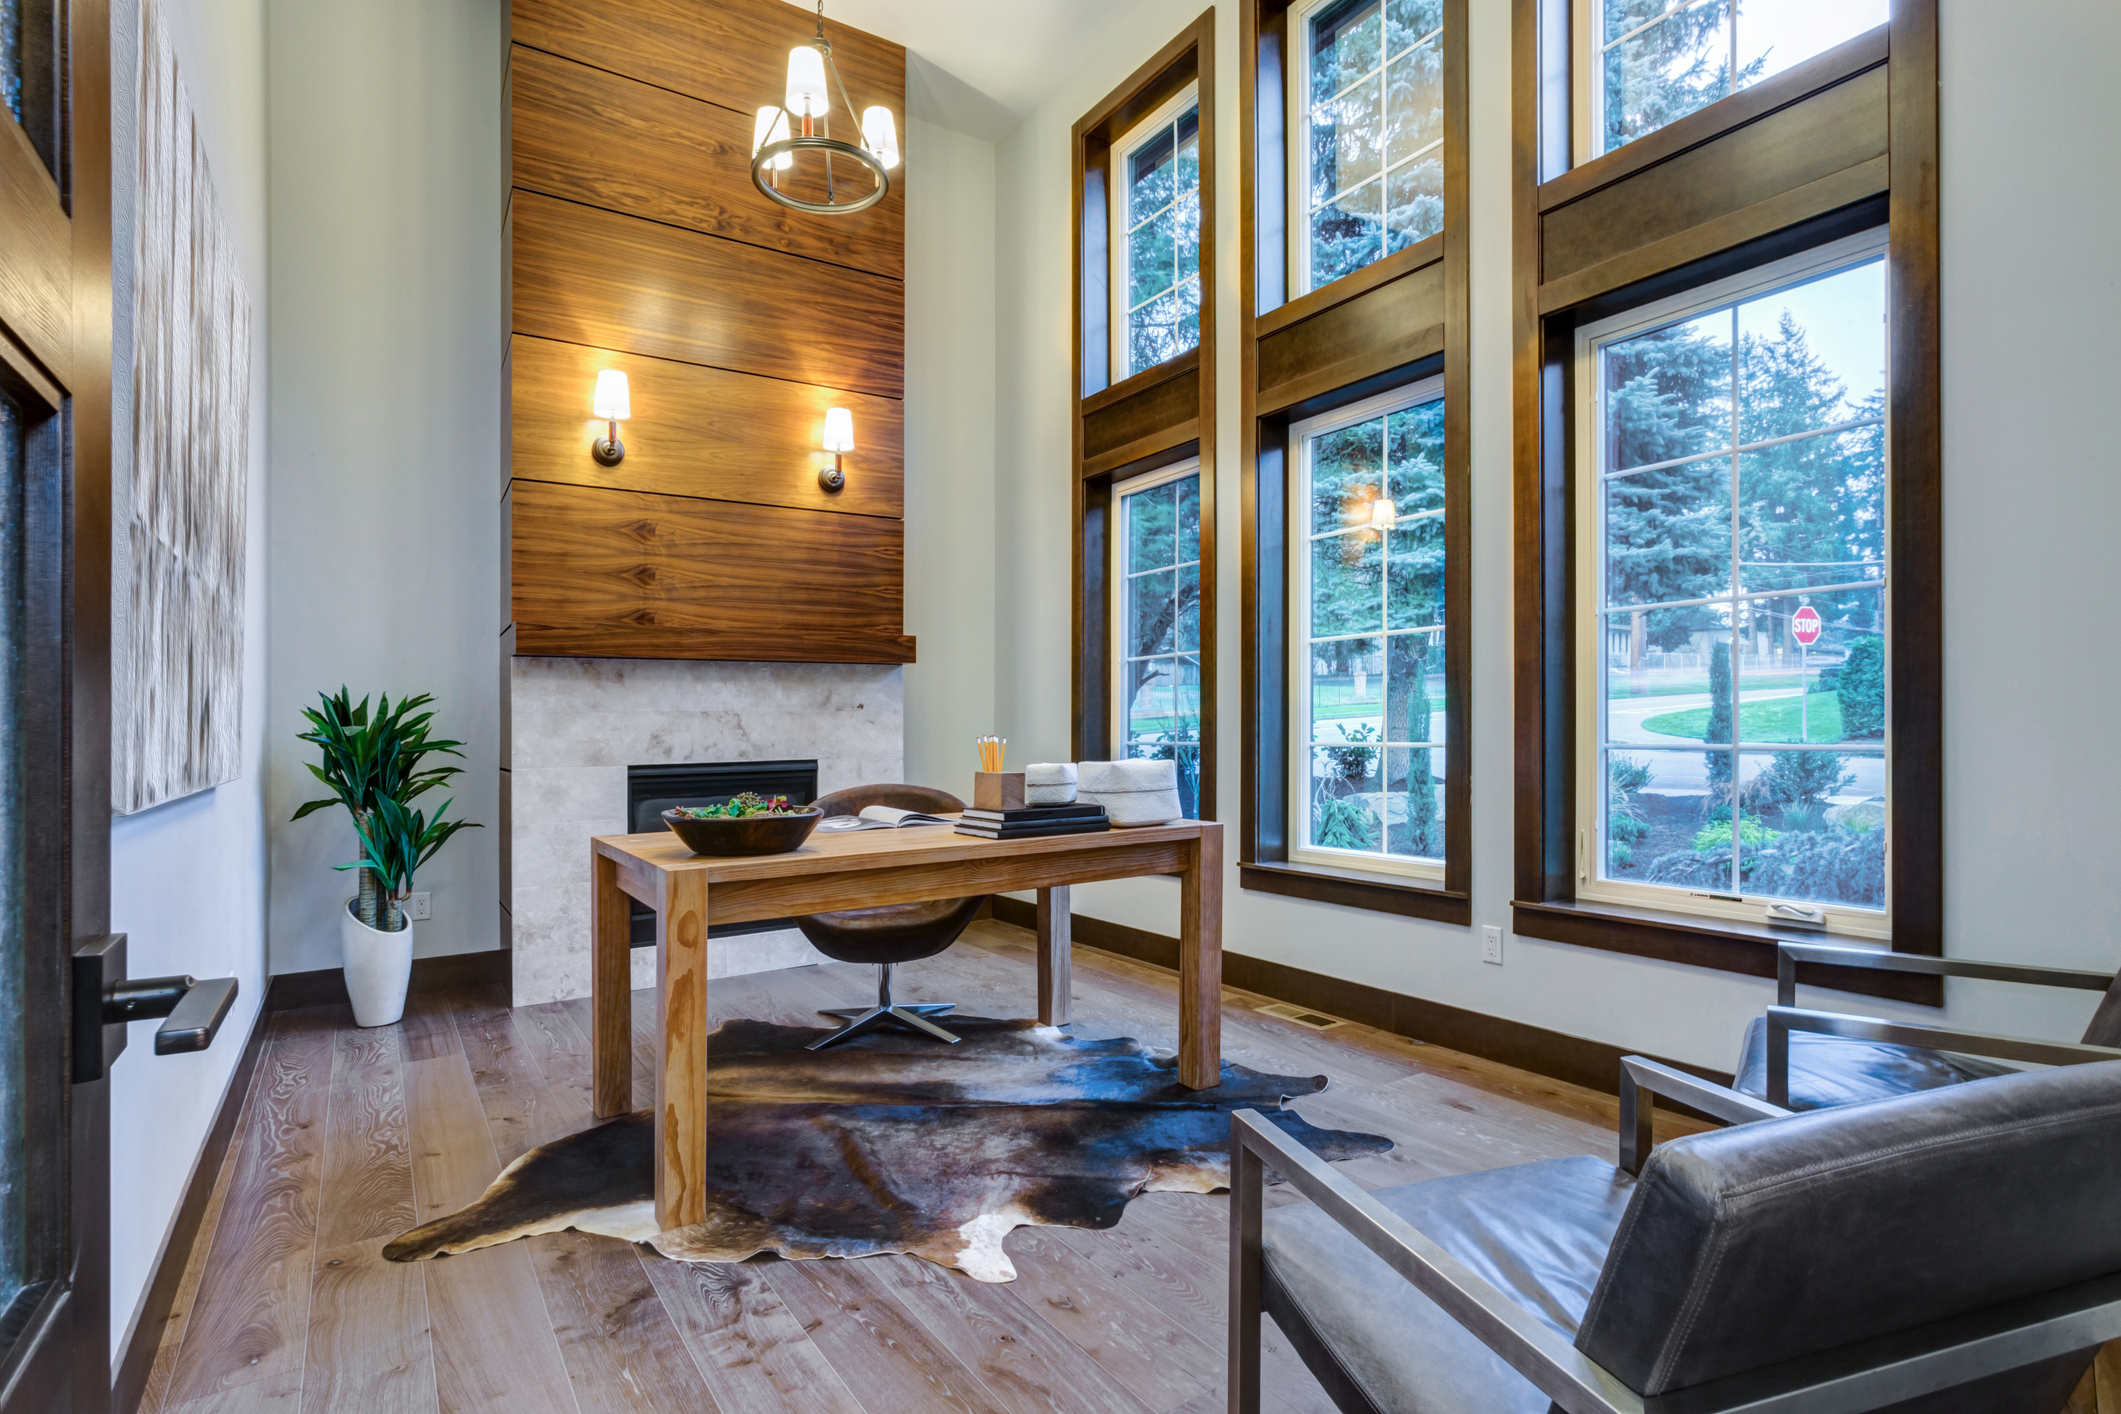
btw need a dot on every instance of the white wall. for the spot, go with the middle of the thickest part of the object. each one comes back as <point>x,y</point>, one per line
<point>2030,499</point>
<point>951,546</point>
<point>188,877</point>
<point>386,380</point>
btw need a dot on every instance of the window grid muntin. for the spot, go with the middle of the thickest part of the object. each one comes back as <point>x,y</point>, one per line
<point>1303,749</point>
<point>1124,227</point>
<point>1724,297</point>
<point>1303,107</point>
<point>1184,738</point>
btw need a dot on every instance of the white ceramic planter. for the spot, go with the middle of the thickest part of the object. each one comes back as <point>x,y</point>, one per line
<point>378,965</point>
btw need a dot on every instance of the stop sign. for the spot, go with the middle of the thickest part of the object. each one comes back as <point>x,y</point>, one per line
<point>1805,627</point>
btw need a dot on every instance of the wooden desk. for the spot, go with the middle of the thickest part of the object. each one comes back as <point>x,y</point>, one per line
<point>691,892</point>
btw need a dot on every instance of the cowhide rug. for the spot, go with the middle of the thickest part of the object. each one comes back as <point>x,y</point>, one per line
<point>894,1143</point>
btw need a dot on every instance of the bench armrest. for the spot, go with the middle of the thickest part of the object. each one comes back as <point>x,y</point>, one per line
<point>1782,1020</point>
<point>1641,1080</point>
<point>1788,955</point>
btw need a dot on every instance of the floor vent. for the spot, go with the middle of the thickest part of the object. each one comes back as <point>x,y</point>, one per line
<point>1297,1014</point>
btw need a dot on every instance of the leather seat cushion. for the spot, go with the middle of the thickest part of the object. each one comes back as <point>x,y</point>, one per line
<point>1829,1071</point>
<point>1539,1232</point>
<point>897,932</point>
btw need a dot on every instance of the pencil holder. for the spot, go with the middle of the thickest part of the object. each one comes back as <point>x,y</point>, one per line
<point>997,790</point>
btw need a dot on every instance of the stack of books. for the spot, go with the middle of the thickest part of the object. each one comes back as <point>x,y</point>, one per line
<point>1033,820</point>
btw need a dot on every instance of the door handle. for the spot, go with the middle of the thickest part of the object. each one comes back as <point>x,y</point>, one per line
<point>104,1001</point>
<point>195,1009</point>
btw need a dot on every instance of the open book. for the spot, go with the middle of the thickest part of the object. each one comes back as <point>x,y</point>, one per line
<point>879,817</point>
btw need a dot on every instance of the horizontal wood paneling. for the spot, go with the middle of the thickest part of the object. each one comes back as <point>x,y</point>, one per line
<point>1391,325</point>
<point>1153,414</point>
<point>587,276</point>
<point>608,141</point>
<point>35,300</point>
<point>701,432</point>
<point>636,575</point>
<point>1829,132</point>
<point>729,52</point>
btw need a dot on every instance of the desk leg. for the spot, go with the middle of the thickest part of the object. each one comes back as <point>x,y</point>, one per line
<point>1056,936</point>
<point>1200,963</point>
<point>610,988</point>
<point>681,1061</point>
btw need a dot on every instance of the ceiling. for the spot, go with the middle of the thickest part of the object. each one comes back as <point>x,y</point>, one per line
<point>979,66</point>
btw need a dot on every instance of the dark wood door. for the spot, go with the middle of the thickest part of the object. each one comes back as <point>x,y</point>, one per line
<point>54,699</point>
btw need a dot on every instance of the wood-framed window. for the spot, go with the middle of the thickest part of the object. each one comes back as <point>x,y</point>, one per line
<point>1369,701</point>
<point>1144,186</point>
<point>1366,170</point>
<point>1156,658</point>
<point>1154,179</point>
<point>1355,354</point>
<point>1814,243</point>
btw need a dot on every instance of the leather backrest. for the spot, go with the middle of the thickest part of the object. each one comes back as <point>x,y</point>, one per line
<point>2105,1027</point>
<point>926,799</point>
<point>1782,1238</point>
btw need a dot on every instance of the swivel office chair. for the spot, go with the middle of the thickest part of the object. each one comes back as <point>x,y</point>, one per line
<point>893,933</point>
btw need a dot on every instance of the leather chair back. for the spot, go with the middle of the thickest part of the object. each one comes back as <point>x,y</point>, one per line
<point>1784,1238</point>
<point>896,932</point>
<point>925,799</point>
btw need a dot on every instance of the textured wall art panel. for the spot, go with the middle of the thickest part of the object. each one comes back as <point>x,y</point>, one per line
<point>179,660</point>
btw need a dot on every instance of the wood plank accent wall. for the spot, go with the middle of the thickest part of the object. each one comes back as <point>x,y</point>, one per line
<point>637,242</point>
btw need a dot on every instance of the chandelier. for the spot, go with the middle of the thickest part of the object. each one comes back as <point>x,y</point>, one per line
<point>774,143</point>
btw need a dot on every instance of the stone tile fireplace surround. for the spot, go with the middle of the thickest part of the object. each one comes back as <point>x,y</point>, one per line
<point>573,725</point>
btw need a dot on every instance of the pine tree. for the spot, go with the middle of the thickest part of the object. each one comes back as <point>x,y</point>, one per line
<point>1719,728</point>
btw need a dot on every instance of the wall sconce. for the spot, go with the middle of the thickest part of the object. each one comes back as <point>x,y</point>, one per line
<point>1383,514</point>
<point>839,440</point>
<point>614,406</point>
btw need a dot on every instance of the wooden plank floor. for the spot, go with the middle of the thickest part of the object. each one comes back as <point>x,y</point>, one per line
<point>349,1136</point>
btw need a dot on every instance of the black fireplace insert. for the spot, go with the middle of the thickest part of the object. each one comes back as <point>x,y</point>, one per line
<point>650,790</point>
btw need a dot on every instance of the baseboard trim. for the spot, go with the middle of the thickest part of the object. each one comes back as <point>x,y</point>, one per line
<point>129,1380</point>
<point>324,987</point>
<point>1554,1054</point>
<point>327,985</point>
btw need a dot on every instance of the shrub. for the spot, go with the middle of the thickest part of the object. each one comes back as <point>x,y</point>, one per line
<point>1752,835</point>
<point>1830,866</point>
<point>1861,686</point>
<point>1800,778</point>
<point>1346,824</point>
<point>1719,728</point>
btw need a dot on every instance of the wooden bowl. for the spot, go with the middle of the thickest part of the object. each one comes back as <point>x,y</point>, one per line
<point>744,834</point>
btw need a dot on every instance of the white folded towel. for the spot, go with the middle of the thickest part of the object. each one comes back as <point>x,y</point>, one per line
<point>1132,792</point>
<point>1049,783</point>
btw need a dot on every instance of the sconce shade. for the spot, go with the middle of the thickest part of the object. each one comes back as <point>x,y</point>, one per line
<point>613,403</point>
<point>771,125</point>
<point>806,82</point>
<point>1383,514</point>
<point>880,134</point>
<point>839,430</point>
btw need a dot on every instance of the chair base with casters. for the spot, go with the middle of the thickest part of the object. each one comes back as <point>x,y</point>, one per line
<point>912,1015</point>
<point>893,933</point>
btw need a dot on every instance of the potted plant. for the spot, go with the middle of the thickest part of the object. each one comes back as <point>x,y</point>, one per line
<point>373,764</point>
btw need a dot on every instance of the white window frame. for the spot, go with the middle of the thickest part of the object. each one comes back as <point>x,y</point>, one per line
<point>1116,575</point>
<point>1297,121</point>
<point>1587,129</point>
<point>1589,568</point>
<point>1301,435</point>
<point>1119,221</point>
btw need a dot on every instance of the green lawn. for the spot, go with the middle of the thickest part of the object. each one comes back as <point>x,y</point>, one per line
<point>1761,721</point>
<point>1334,711</point>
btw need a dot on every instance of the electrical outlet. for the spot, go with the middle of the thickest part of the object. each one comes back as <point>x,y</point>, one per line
<point>417,909</point>
<point>1491,945</point>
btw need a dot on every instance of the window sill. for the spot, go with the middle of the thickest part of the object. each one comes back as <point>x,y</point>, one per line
<point>1722,944</point>
<point>1354,890</point>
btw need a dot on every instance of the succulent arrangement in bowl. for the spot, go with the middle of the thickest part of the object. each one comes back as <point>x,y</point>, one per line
<point>746,824</point>
<point>740,806</point>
